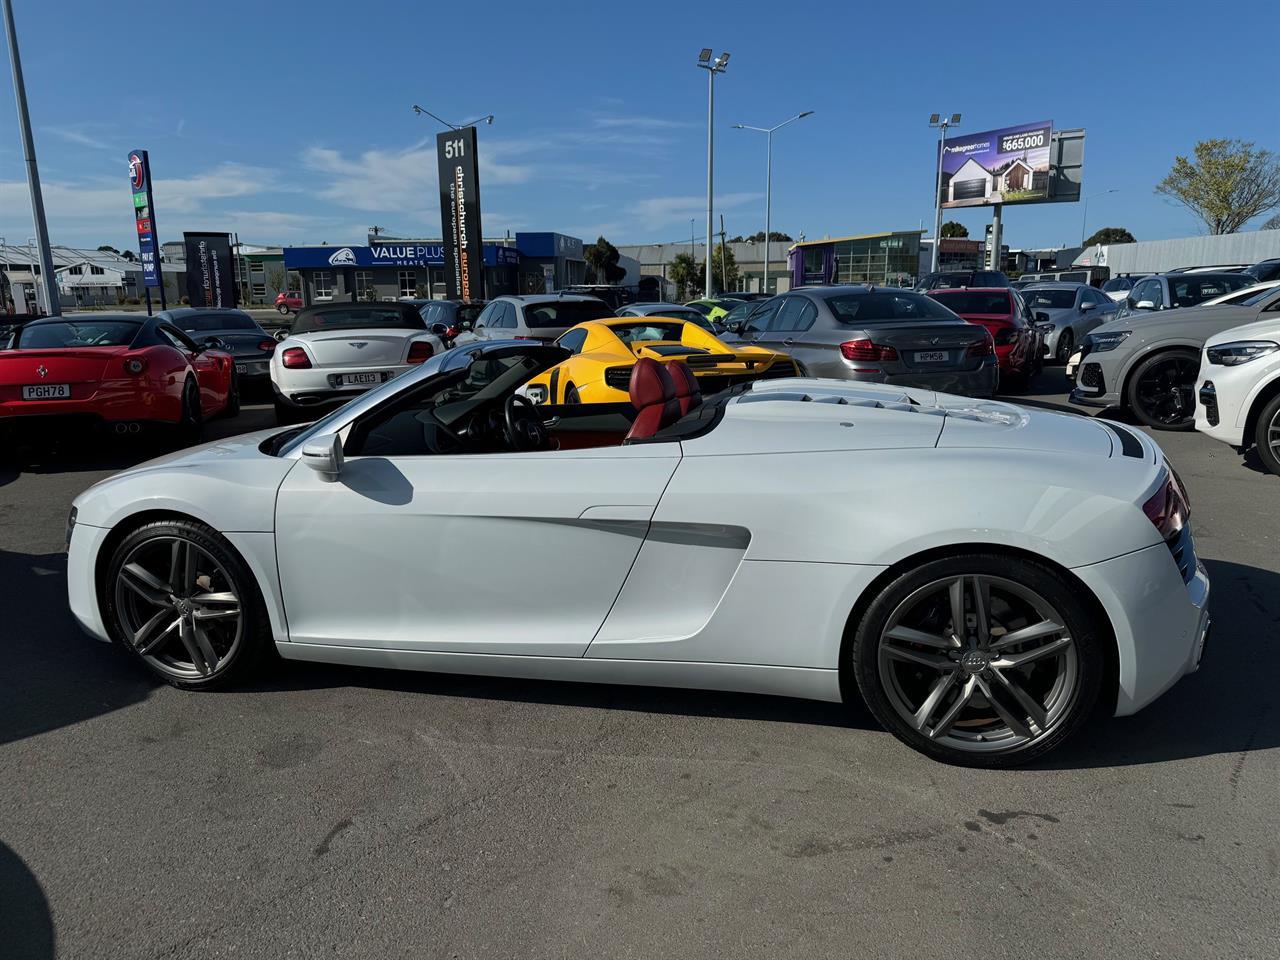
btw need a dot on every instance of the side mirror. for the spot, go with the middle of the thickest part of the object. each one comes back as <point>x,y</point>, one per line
<point>734,326</point>
<point>1144,305</point>
<point>1087,306</point>
<point>441,330</point>
<point>324,456</point>
<point>1042,317</point>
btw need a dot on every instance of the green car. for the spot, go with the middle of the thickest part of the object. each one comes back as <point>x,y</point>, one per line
<point>713,309</point>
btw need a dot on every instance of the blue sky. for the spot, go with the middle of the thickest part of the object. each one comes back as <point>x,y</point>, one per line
<point>290,122</point>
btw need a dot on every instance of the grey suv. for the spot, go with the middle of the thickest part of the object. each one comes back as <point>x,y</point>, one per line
<point>541,316</point>
<point>1169,291</point>
<point>1147,363</point>
<point>876,334</point>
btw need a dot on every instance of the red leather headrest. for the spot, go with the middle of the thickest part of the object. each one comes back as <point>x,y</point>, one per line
<point>650,384</point>
<point>686,382</point>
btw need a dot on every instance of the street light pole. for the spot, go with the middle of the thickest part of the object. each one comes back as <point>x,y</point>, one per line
<point>939,121</point>
<point>33,174</point>
<point>1084,220</point>
<point>712,67</point>
<point>768,180</point>
<point>487,118</point>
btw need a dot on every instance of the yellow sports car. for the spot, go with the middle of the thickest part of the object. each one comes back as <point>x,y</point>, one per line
<point>604,352</point>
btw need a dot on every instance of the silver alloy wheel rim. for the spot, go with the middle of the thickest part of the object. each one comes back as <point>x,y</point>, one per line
<point>177,606</point>
<point>1008,676</point>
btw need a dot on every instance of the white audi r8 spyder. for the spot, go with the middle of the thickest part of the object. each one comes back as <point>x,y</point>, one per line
<point>336,351</point>
<point>984,577</point>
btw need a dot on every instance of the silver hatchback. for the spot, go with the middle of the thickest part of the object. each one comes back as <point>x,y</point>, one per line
<point>877,335</point>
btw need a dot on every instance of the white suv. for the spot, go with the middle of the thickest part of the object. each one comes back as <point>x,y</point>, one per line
<point>339,350</point>
<point>1240,389</point>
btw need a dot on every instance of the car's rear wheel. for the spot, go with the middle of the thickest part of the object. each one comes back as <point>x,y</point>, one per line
<point>282,308</point>
<point>190,426</point>
<point>980,659</point>
<point>1161,390</point>
<point>571,394</point>
<point>1066,343</point>
<point>183,602</point>
<point>1267,435</point>
<point>232,409</point>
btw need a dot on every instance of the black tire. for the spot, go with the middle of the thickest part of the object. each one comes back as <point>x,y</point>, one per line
<point>1066,343</point>
<point>571,394</point>
<point>282,308</point>
<point>285,414</point>
<point>1080,696</point>
<point>1161,390</point>
<point>232,409</point>
<point>1269,445</point>
<point>190,428</point>
<point>246,650</point>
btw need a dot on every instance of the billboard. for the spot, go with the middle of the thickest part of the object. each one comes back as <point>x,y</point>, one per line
<point>210,276</point>
<point>460,214</point>
<point>1009,165</point>
<point>144,217</point>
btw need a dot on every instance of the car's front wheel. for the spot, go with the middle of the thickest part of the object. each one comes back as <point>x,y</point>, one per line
<point>980,659</point>
<point>282,308</point>
<point>1066,344</point>
<point>180,599</point>
<point>1267,435</point>
<point>1161,391</point>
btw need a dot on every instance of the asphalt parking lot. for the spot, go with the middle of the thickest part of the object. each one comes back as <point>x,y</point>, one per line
<point>332,811</point>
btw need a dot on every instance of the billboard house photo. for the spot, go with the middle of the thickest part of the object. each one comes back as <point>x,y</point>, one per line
<point>1010,165</point>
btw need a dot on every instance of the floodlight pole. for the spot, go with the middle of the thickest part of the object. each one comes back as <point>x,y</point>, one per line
<point>712,67</point>
<point>33,174</point>
<point>768,180</point>
<point>943,121</point>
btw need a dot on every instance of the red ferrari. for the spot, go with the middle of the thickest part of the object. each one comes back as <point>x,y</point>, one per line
<point>1005,315</point>
<point>120,370</point>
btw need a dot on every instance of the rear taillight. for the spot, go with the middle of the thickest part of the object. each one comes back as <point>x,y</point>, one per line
<point>451,332</point>
<point>1006,336</point>
<point>266,346</point>
<point>1168,508</point>
<point>420,351</point>
<point>984,349</point>
<point>866,350</point>
<point>295,358</point>
<point>135,365</point>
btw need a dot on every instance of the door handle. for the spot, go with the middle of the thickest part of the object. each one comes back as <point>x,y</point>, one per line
<point>789,341</point>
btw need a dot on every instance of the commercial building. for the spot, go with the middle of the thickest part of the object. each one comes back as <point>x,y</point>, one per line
<point>392,269</point>
<point>86,278</point>
<point>655,260</point>
<point>889,259</point>
<point>1157,256</point>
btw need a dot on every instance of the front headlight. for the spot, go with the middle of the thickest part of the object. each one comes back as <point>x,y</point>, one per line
<point>71,524</point>
<point>1102,342</point>
<point>1241,351</point>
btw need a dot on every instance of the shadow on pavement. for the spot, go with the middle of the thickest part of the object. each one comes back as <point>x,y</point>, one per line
<point>54,675</point>
<point>1227,707</point>
<point>26,925</point>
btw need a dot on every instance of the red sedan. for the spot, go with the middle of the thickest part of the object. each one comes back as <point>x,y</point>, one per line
<point>120,370</point>
<point>1005,315</point>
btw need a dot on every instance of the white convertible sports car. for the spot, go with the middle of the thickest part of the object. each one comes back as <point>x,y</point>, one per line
<point>338,350</point>
<point>945,559</point>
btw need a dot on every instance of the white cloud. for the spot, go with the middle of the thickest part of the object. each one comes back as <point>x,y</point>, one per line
<point>640,123</point>
<point>186,194</point>
<point>79,136</point>
<point>658,211</point>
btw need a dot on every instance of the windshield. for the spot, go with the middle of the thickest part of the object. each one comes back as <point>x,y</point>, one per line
<point>207,322</point>
<point>970,301</point>
<point>1254,298</point>
<point>1053,299</point>
<point>74,333</point>
<point>885,307</point>
<point>359,316</point>
<point>1187,291</point>
<point>564,313</point>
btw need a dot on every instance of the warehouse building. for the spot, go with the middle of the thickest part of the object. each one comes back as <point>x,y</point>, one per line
<point>1158,256</point>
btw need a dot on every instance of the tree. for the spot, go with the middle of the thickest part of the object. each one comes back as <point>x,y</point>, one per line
<point>1273,223</point>
<point>1110,235</point>
<point>602,262</point>
<point>129,255</point>
<point>686,273</point>
<point>953,228</point>
<point>726,278</point>
<point>1226,185</point>
<point>775,236</point>
<point>107,248</point>
<point>275,278</point>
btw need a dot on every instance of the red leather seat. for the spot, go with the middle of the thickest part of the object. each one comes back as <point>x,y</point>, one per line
<point>688,393</point>
<point>653,394</point>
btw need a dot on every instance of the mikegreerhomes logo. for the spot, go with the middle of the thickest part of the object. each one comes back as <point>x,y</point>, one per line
<point>345,256</point>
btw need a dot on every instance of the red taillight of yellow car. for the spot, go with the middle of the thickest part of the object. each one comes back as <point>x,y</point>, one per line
<point>295,358</point>
<point>420,351</point>
<point>867,350</point>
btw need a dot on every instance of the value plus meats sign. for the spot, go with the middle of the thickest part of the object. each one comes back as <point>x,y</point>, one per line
<point>144,218</point>
<point>460,214</point>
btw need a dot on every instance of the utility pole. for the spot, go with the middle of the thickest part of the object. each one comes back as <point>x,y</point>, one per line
<point>48,278</point>
<point>712,67</point>
<point>942,122</point>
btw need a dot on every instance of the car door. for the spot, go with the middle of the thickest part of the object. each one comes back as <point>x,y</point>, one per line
<point>504,553</point>
<point>789,330</point>
<point>211,378</point>
<point>757,324</point>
